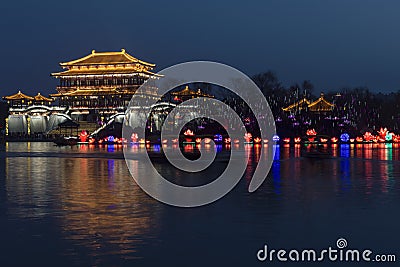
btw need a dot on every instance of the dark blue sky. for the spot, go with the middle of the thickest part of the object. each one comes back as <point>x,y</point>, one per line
<point>333,43</point>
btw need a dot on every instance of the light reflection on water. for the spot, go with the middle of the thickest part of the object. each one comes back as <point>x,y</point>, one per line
<point>87,195</point>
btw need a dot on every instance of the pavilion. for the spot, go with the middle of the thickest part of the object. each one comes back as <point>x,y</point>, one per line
<point>318,106</point>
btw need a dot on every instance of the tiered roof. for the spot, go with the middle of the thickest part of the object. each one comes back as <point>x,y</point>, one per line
<point>100,63</point>
<point>22,96</point>
<point>99,58</point>
<point>299,105</point>
<point>187,93</point>
<point>319,105</point>
<point>40,97</point>
<point>18,96</point>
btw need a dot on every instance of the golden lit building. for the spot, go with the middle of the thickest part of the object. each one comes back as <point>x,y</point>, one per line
<point>299,105</point>
<point>19,100</point>
<point>101,84</point>
<point>187,93</point>
<point>92,90</point>
<point>31,114</point>
<point>319,105</point>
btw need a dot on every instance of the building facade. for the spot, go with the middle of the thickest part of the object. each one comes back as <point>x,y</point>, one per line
<point>91,90</point>
<point>101,84</point>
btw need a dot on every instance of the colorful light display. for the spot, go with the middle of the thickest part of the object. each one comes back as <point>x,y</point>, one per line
<point>368,137</point>
<point>345,137</point>
<point>257,140</point>
<point>207,141</point>
<point>83,136</point>
<point>134,137</point>
<point>389,136</point>
<point>248,137</point>
<point>218,138</point>
<point>311,132</point>
<point>382,133</point>
<point>188,132</point>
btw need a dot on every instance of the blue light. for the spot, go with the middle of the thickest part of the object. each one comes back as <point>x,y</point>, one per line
<point>110,148</point>
<point>275,138</point>
<point>218,138</point>
<point>345,137</point>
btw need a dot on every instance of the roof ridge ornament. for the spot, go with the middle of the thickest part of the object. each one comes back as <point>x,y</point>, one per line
<point>93,52</point>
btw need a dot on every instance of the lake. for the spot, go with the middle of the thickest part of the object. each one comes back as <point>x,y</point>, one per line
<point>79,206</point>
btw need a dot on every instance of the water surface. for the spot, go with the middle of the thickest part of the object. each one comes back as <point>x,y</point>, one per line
<point>78,206</point>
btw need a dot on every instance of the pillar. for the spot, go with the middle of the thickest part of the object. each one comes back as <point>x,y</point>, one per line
<point>28,119</point>
<point>6,126</point>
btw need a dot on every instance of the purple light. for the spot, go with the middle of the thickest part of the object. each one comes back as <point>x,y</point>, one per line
<point>275,138</point>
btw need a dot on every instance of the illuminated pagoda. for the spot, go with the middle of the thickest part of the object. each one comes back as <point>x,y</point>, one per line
<point>23,101</point>
<point>186,94</point>
<point>19,100</point>
<point>317,106</point>
<point>101,84</point>
<point>41,100</point>
<point>31,114</point>
<point>321,105</point>
<point>299,105</point>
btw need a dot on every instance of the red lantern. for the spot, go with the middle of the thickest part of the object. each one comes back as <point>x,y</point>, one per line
<point>368,137</point>
<point>83,136</point>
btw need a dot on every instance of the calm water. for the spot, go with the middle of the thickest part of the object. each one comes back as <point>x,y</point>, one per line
<point>79,207</point>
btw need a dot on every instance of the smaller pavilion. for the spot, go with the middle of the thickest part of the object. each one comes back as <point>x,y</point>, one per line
<point>318,106</point>
<point>186,94</point>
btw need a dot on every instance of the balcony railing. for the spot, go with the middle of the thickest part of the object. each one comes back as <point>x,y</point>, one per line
<point>97,87</point>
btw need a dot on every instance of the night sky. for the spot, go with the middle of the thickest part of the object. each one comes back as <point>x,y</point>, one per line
<point>333,43</point>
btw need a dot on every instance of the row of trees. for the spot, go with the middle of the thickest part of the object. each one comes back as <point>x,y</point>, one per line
<point>356,109</point>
